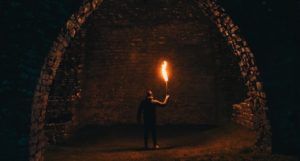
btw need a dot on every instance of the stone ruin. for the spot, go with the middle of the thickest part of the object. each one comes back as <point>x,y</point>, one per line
<point>251,112</point>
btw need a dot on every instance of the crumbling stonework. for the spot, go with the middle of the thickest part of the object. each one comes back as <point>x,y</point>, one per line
<point>65,93</point>
<point>38,140</point>
<point>249,70</point>
<point>230,31</point>
<point>123,56</point>
<point>243,114</point>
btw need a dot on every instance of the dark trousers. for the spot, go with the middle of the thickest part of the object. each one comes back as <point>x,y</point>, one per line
<point>147,129</point>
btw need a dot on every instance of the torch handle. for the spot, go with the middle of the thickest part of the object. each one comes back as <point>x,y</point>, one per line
<point>166,88</point>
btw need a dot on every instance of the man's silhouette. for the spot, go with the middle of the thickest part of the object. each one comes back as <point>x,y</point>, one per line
<point>148,109</point>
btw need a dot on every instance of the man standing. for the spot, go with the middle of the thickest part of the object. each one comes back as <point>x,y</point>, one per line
<point>148,108</point>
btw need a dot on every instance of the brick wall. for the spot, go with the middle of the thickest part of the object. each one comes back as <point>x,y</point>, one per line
<point>249,71</point>
<point>226,27</point>
<point>124,46</point>
<point>37,140</point>
<point>243,114</point>
<point>42,22</point>
<point>65,93</point>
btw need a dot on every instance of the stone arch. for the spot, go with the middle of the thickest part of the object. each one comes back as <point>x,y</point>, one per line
<point>230,31</point>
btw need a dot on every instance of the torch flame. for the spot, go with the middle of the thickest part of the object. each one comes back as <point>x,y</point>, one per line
<point>164,71</point>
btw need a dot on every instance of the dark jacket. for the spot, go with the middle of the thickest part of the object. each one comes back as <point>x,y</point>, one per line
<point>148,108</point>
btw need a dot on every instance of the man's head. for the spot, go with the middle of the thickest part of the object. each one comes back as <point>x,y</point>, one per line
<point>149,94</point>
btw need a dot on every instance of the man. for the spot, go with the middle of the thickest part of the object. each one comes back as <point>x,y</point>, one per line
<point>148,108</point>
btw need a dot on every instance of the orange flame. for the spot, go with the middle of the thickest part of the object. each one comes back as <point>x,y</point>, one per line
<point>164,71</point>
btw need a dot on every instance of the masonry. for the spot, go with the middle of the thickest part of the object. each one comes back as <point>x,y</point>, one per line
<point>122,55</point>
<point>25,91</point>
<point>223,23</point>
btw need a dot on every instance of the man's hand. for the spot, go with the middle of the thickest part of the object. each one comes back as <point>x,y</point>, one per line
<point>167,97</point>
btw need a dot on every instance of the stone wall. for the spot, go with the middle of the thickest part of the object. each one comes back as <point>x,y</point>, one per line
<point>29,29</point>
<point>248,68</point>
<point>125,44</point>
<point>243,114</point>
<point>65,93</point>
<point>36,144</point>
<point>38,141</point>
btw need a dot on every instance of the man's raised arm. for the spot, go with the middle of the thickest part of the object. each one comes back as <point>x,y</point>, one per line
<point>159,103</point>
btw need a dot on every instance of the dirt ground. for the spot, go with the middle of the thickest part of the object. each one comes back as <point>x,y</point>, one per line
<point>182,143</point>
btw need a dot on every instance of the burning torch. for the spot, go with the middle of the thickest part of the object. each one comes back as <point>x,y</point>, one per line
<point>165,74</point>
